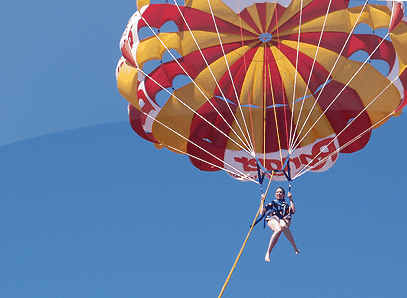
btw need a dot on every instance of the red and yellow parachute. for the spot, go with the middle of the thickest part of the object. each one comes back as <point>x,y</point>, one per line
<point>263,81</point>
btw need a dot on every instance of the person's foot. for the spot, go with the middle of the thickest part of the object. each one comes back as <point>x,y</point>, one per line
<point>267,258</point>
<point>297,251</point>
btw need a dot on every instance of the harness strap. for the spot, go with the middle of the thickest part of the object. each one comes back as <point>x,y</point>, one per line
<point>261,170</point>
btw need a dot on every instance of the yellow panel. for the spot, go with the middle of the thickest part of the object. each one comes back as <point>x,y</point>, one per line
<point>208,39</point>
<point>271,8</point>
<point>292,10</point>
<point>153,49</point>
<point>178,117</point>
<point>368,83</point>
<point>373,15</point>
<point>323,128</point>
<point>127,83</point>
<point>183,42</point>
<point>252,87</point>
<point>344,20</point>
<point>252,10</point>
<point>220,10</point>
<point>141,3</point>
<point>399,39</point>
<point>219,68</point>
<point>256,132</point>
<point>164,133</point>
<point>337,22</point>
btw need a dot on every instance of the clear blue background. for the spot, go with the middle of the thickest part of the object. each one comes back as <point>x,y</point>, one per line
<point>89,209</point>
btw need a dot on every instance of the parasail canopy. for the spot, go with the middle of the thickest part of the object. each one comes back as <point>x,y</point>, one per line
<point>234,83</point>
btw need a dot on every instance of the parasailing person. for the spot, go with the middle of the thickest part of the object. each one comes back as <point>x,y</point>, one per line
<point>278,217</point>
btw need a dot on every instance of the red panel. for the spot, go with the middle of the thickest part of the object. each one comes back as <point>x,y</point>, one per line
<point>262,11</point>
<point>196,63</point>
<point>238,71</point>
<point>278,12</point>
<point>244,14</point>
<point>135,117</point>
<point>314,10</point>
<point>272,144</point>
<point>278,89</point>
<point>346,107</point>
<point>193,63</point>
<point>397,15</point>
<point>158,14</point>
<point>319,74</point>
<point>334,41</point>
<point>207,137</point>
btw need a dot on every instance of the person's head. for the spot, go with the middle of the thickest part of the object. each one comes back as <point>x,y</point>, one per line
<point>280,193</point>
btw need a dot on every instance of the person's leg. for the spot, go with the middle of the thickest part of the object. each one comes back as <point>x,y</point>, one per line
<point>288,235</point>
<point>275,227</point>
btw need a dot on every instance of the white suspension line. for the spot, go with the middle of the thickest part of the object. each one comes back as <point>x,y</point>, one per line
<point>295,76</point>
<point>245,67</point>
<point>275,119</point>
<point>213,75</point>
<point>307,168</point>
<point>326,81</point>
<point>350,122</point>
<point>195,112</point>
<point>238,173</point>
<point>196,85</point>
<point>199,147</point>
<point>231,77</point>
<point>310,75</point>
<point>350,80</point>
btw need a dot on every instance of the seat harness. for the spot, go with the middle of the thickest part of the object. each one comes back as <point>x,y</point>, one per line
<point>277,207</point>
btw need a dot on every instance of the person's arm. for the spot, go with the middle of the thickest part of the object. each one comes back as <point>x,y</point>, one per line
<point>292,206</point>
<point>262,209</point>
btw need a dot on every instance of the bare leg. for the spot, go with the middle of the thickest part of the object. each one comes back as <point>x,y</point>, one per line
<point>272,243</point>
<point>288,235</point>
<point>275,227</point>
<point>290,238</point>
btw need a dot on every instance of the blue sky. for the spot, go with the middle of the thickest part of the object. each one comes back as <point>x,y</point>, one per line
<point>89,209</point>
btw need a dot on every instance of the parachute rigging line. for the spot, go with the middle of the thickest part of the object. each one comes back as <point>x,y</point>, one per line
<point>308,168</point>
<point>264,112</point>
<point>230,74</point>
<point>296,70</point>
<point>245,72</point>
<point>195,112</point>
<point>293,146</point>
<point>235,174</point>
<point>310,75</point>
<point>282,85</point>
<point>198,112</point>
<point>340,92</point>
<point>275,118</point>
<point>249,150</point>
<point>242,175</point>
<point>213,76</point>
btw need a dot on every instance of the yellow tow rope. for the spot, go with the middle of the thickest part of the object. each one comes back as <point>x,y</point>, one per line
<point>263,197</point>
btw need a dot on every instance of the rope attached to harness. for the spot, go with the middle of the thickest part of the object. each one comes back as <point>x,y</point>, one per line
<point>261,174</point>
<point>263,197</point>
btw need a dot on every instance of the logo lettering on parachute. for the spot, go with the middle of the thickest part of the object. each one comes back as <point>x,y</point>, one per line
<point>317,157</point>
